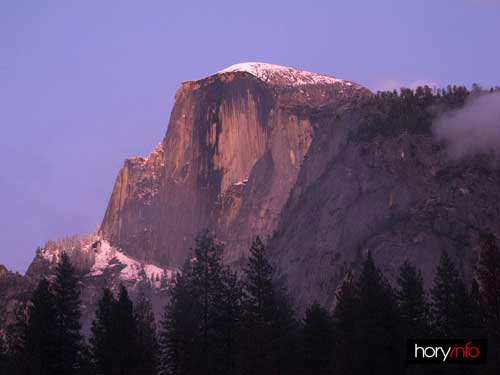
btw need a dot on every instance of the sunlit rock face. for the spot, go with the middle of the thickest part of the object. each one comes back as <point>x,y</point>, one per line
<point>235,144</point>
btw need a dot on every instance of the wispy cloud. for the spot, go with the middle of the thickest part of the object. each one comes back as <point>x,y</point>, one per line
<point>473,129</point>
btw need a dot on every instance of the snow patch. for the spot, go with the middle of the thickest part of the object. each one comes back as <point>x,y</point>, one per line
<point>155,155</point>
<point>108,257</point>
<point>283,74</point>
<point>241,183</point>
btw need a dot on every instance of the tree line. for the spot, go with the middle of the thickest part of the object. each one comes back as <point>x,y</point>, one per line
<point>218,321</point>
<point>389,113</point>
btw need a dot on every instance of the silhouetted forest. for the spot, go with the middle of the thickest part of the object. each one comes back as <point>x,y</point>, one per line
<point>218,321</point>
<point>412,111</point>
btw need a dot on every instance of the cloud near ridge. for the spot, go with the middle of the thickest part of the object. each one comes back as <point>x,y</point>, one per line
<point>473,129</point>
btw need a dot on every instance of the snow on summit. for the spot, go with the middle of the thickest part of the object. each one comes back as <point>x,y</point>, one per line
<point>284,75</point>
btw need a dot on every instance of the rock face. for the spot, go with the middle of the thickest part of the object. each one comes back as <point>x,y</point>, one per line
<point>260,149</point>
<point>233,150</point>
<point>398,196</point>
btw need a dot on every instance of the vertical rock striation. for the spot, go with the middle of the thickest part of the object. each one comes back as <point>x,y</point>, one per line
<point>234,146</point>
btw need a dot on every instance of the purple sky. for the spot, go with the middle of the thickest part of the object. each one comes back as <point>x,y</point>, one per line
<point>85,84</point>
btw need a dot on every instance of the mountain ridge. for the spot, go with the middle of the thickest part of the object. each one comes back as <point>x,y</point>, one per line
<point>323,168</point>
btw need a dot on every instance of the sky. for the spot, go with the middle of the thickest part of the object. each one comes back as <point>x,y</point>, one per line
<point>86,84</point>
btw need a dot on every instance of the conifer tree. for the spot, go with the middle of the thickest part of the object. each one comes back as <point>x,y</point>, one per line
<point>67,304</point>
<point>113,342</point>
<point>17,336</point>
<point>189,328</point>
<point>146,339</point>
<point>489,278</point>
<point>318,340</point>
<point>41,342</point>
<point>85,364</point>
<point>379,324</point>
<point>476,313</point>
<point>206,278</point>
<point>285,331</point>
<point>227,323</point>
<point>366,315</point>
<point>125,333</point>
<point>469,315</point>
<point>345,317</point>
<point>413,305</point>
<point>445,298</point>
<point>179,326</point>
<point>4,356</point>
<point>102,341</point>
<point>258,314</point>
<point>488,274</point>
<point>269,322</point>
<point>456,309</point>
<point>259,274</point>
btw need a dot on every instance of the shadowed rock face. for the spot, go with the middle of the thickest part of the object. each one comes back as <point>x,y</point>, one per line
<point>398,196</point>
<point>233,150</point>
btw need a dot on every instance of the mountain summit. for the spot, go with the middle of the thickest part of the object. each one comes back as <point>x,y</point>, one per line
<point>283,75</point>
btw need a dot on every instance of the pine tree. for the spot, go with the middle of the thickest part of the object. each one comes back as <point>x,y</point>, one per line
<point>489,278</point>
<point>227,323</point>
<point>413,305</point>
<point>41,341</point>
<point>207,273</point>
<point>286,332</point>
<point>366,315</point>
<point>318,340</point>
<point>476,313</point>
<point>179,326</point>
<point>468,319</point>
<point>147,342</point>
<point>378,324</point>
<point>445,298</point>
<point>259,307</point>
<point>269,322</point>
<point>17,336</point>
<point>4,356</point>
<point>85,364</point>
<point>102,341</point>
<point>488,274</point>
<point>125,333</point>
<point>113,342</point>
<point>67,304</point>
<point>189,327</point>
<point>259,274</point>
<point>345,319</point>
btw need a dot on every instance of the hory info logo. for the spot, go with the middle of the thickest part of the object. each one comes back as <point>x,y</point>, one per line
<point>464,351</point>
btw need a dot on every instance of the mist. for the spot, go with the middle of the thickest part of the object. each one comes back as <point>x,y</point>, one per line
<point>473,129</point>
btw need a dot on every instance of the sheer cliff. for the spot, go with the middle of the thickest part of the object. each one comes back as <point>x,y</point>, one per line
<point>321,167</point>
<point>377,180</point>
<point>234,146</point>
